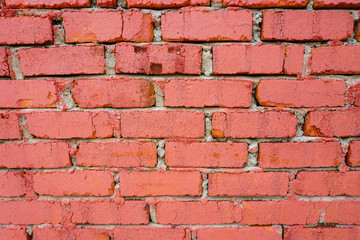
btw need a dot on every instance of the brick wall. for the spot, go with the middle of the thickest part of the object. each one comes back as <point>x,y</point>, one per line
<point>182,119</point>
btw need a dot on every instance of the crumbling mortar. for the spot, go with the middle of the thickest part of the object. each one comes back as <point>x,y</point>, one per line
<point>24,129</point>
<point>256,27</point>
<point>160,150</point>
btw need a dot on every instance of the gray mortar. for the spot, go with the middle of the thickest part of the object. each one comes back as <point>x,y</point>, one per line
<point>206,63</point>
<point>15,63</point>
<point>24,128</point>
<point>208,127</point>
<point>67,98</point>
<point>160,144</point>
<point>256,29</point>
<point>110,60</point>
<point>310,5</point>
<point>159,95</point>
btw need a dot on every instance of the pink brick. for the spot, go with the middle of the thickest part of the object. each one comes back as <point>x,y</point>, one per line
<point>229,233</point>
<point>317,233</point>
<point>353,94</point>
<point>165,3</point>
<point>266,3</point>
<point>47,3</point>
<point>12,184</point>
<point>336,4</point>
<point>4,65</point>
<point>50,232</point>
<point>13,233</point>
<point>138,27</point>
<point>353,155</point>
<point>342,212</point>
<point>151,232</point>
<point>9,125</point>
<point>107,3</point>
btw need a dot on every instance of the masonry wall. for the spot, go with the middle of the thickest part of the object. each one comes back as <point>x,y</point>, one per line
<point>183,119</point>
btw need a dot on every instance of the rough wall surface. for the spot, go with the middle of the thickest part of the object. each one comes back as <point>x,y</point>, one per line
<point>179,119</point>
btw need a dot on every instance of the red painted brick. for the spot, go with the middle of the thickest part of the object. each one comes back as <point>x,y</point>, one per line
<point>47,3</point>
<point>9,125</point>
<point>76,124</point>
<point>264,59</point>
<point>207,154</point>
<point>33,212</point>
<point>12,184</point>
<point>207,93</point>
<point>4,65</point>
<point>329,233</point>
<point>78,183</point>
<point>25,30</point>
<point>336,4</point>
<point>343,212</point>
<point>299,155</point>
<point>114,92</point>
<point>166,3</point>
<point>266,3</point>
<point>353,94</point>
<point>250,124</point>
<point>328,183</point>
<point>280,212</point>
<point>117,154</point>
<point>211,212</point>
<point>160,183</point>
<point>28,94</point>
<point>306,25</point>
<point>34,155</point>
<point>343,123</point>
<point>50,232</point>
<point>13,233</point>
<point>107,3</point>
<point>353,155</point>
<point>108,212</point>
<point>230,233</point>
<point>151,232</point>
<point>357,31</point>
<point>162,124</point>
<point>158,59</point>
<point>335,60</point>
<point>138,27</point>
<point>248,184</point>
<point>201,24</point>
<point>301,93</point>
<point>62,60</point>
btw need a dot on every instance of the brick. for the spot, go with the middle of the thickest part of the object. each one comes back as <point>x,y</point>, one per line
<point>117,154</point>
<point>4,65</point>
<point>343,212</point>
<point>108,212</point>
<point>207,93</point>
<point>248,184</point>
<point>150,232</point>
<point>280,212</point>
<point>335,60</point>
<point>328,183</point>
<point>50,232</point>
<point>263,59</point>
<point>336,4</point>
<point>114,92</point>
<point>208,154</point>
<point>33,212</point>
<point>47,3</point>
<point>299,155</point>
<point>353,94</point>
<point>12,184</point>
<point>107,3</point>
<point>301,93</point>
<point>343,123</point>
<point>211,212</point>
<point>25,30</point>
<point>138,27</point>
<point>306,233</point>
<point>306,25</point>
<point>158,4</point>
<point>76,124</point>
<point>162,124</point>
<point>229,233</point>
<point>160,183</point>
<point>9,125</point>
<point>13,233</point>
<point>78,183</point>
<point>353,155</point>
<point>357,31</point>
<point>201,24</point>
<point>266,3</point>
<point>62,60</point>
<point>28,94</point>
<point>250,124</point>
<point>34,155</point>
<point>158,59</point>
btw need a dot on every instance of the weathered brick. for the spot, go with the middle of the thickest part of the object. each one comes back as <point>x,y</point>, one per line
<point>75,124</point>
<point>343,212</point>
<point>263,59</point>
<point>12,184</point>
<point>47,3</point>
<point>160,183</point>
<point>353,94</point>
<point>306,25</point>
<point>107,3</point>
<point>336,4</point>
<point>357,31</point>
<point>301,93</point>
<point>158,59</point>
<point>13,233</point>
<point>50,232</point>
<point>230,233</point>
<point>62,60</point>
<point>162,124</point>
<point>250,124</point>
<point>108,212</point>
<point>342,123</point>
<point>34,155</point>
<point>353,155</point>
<point>335,60</point>
<point>248,184</point>
<point>117,154</point>
<point>4,65</point>
<point>9,125</point>
<point>299,155</point>
<point>207,93</point>
<point>78,183</point>
<point>201,24</point>
<point>211,212</point>
<point>266,3</point>
<point>25,30</point>
<point>150,232</point>
<point>114,92</point>
<point>208,154</point>
<point>307,233</point>
<point>165,3</point>
<point>138,27</point>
